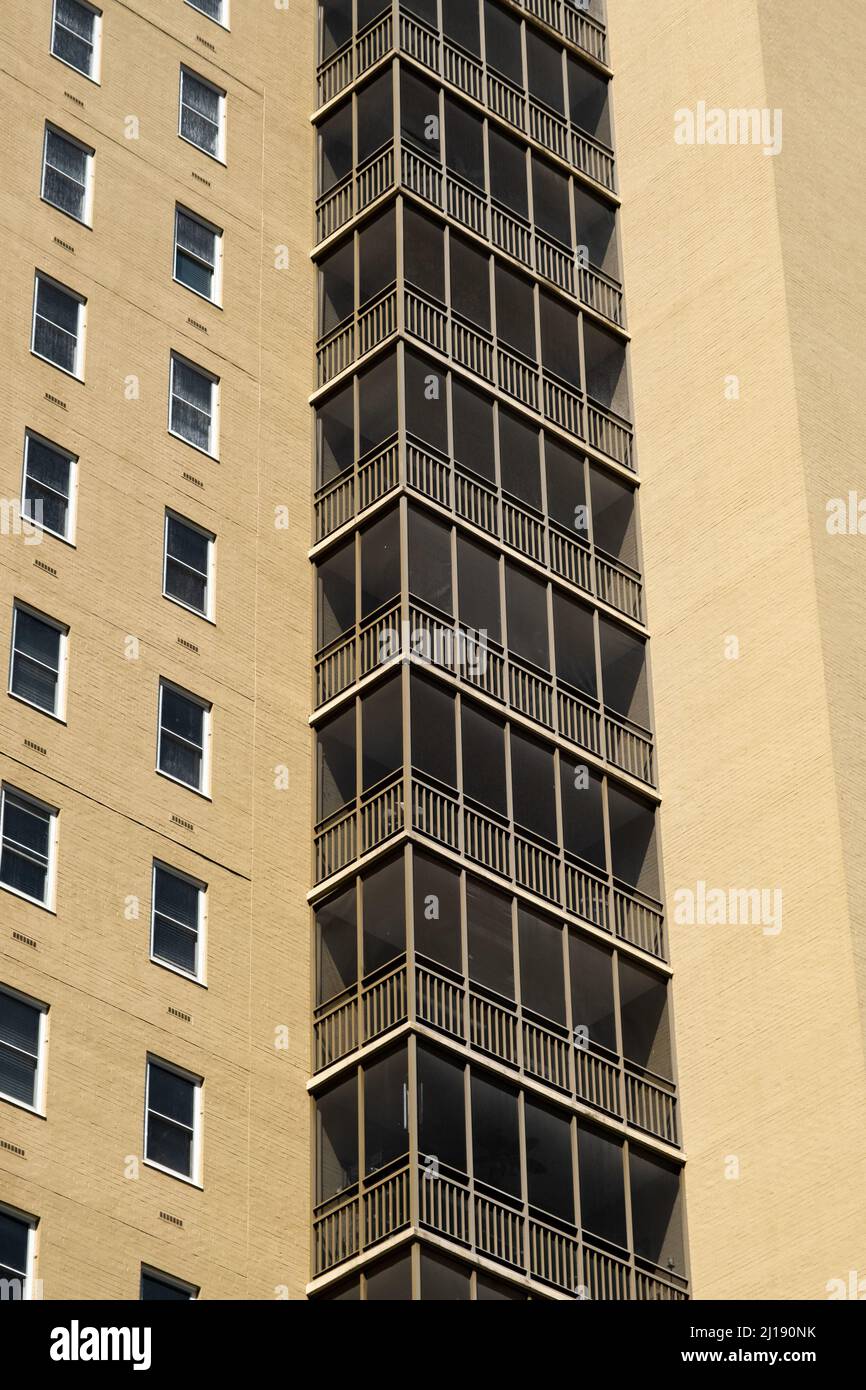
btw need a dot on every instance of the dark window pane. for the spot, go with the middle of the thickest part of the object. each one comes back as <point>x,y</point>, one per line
<point>595,225</point>
<point>534,788</point>
<point>526,600</point>
<point>633,841</point>
<point>560,350</point>
<point>575,644</point>
<point>337,1139</point>
<point>548,1161</point>
<point>582,816</point>
<point>386,1111</point>
<point>434,750</point>
<point>519,459</point>
<point>606,375</point>
<point>436,888</point>
<point>430,560</point>
<point>368,10</point>
<point>602,1190</point>
<point>502,33</point>
<point>422,9</point>
<point>566,488</point>
<point>464,143</point>
<point>153,1288</point>
<point>478,581</point>
<point>495,1140</point>
<point>515,312</point>
<point>508,173</point>
<point>460,23</point>
<point>491,951</point>
<point>470,283</point>
<point>646,1036</point>
<point>377,256</point>
<point>336,763</point>
<point>484,759</point>
<point>382,733</point>
<point>377,404</point>
<point>14,1236</point>
<point>336,945</point>
<point>336,591</point>
<point>419,114</point>
<point>544,71</point>
<point>424,253</point>
<point>171,1095</point>
<point>426,402</point>
<point>613,518</point>
<point>336,435</point>
<point>588,100</point>
<point>550,201</point>
<point>490,1290</point>
<point>336,287</point>
<point>656,1211</point>
<point>384,914</point>
<point>335,148</point>
<point>542,977</point>
<point>391,1281</point>
<point>441,1113</point>
<point>335,20</point>
<point>591,975</point>
<point>473,430</point>
<point>624,678</point>
<point>375,116</point>
<point>380,564</point>
<point>443,1280</point>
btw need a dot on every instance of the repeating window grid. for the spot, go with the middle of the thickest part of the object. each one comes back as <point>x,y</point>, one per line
<point>168,738</point>
<point>29,670</point>
<point>193,1131</point>
<point>172,560</point>
<point>58,325</point>
<point>23,1272</point>
<point>197,255</point>
<point>217,10</point>
<point>159,916</point>
<point>43,492</point>
<point>190,419</point>
<point>27,1056</point>
<point>67,174</point>
<point>201,118</point>
<point>76,33</point>
<point>40,825</point>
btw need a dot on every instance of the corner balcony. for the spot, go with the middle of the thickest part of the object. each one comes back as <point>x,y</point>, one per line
<point>575,22</point>
<point>415,805</point>
<point>406,1198</point>
<point>496,1027</point>
<point>523,112</point>
<point>415,466</point>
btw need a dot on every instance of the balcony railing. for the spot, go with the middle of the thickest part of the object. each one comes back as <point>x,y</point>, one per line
<point>572,22</point>
<point>434,476</point>
<point>482,836</point>
<point>446,1202</point>
<point>435,52</point>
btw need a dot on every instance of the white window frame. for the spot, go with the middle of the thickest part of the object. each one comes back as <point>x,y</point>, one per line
<point>78,369</point>
<point>31,1222</point>
<point>59,711</point>
<point>216,232</point>
<point>38,1106</point>
<point>208,614</point>
<point>220,155</point>
<point>194,1178</point>
<point>201,924</point>
<point>212,451</point>
<point>223,20</point>
<point>207,731</point>
<point>170,1280</point>
<point>51,868</point>
<point>71,512</point>
<point>89,152</point>
<point>96,75</point>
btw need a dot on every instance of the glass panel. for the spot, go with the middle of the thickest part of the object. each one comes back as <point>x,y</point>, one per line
<point>583,819</point>
<point>596,230</point>
<point>478,579</point>
<point>443,1280</point>
<point>544,70</point>
<point>460,23</point>
<point>533,787</point>
<point>14,1237</point>
<point>336,763</point>
<point>502,33</point>
<point>542,977</point>
<point>382,733</point>
<point>566,488</point>
<point>606,375</point>
<point>335,148</point>
<point>515,312</point>
<point>613,518</point>
<point>335,576</point>
<point>591,975</point>
<point>426,402</point>
<point>335,26</point>
<point>434,746</point>
<point>646,1037</point>
<point>375,116</point>
<point>151,1287</point>
<point>575,644</point>
<point>337,1139</point>
<point>336,945</point>
<point>336,288</point>
<point>384,915</point>
<point>380,563</point>
<point>424,253</point>
<point>176,945</point>
<point>377,256</point>
<point>633,841</point>
<point>624,678</point>
<point>656,1211</point>
<point>526,606</point>
<point>182,716</point>
<point>391,1281</point>
<point>368,10</point>
<point>377,404</point>
<point>176,897</point>
<point>484,759</point>
<point>441,1112</point>
<point>335,432</point>
<point>464,144</point>
<point>496,1290</point>
<point>172,1096</point>
<point>602,1190</point>
<point>56,305</point>
<point>519,459</point>
<point>587,99</point>
<point>423,9</point>
<point>470,283</point>
<point>436,889</point>
<point>430,560</point>
<point>491,953</point>
<point>495,1135</point>
<point>419,115</point>
<point>548,1161</point>
<point>560,347</point>
<point>386,1111</point>
<point>550,201</point>
<point>473,430</point>
<point>508,173</point>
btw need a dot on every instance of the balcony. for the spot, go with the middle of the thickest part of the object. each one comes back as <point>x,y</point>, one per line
<point>407,1197</point>
<point>495,1027</point>
<point>573,22</point>
<point>441,816</point>
<point>422,470</point>
<point>520,110</point>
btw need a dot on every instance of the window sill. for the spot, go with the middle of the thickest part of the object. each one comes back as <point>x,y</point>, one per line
<point>72,68</point>
<point>214,303</point>
<point>171,1173</point>
<point>22,1105</point>
<point>205,796</point>
<point>176,970</point>
<point>196,612</point>
<point>26,898</point>
<point>217,158</point>
<point>40,709</point>
<point>79,221</point>
<point>189,444</point>
<point>74,376</point>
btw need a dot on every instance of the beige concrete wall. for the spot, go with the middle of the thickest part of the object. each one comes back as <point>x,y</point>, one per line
<point>758,754</point>
<point>246,1233</point>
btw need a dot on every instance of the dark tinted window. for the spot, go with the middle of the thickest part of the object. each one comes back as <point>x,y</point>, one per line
<point>420,114</point>
<point>502,33</point>
<point>548,1161</point>
<point>533,786</point>
<point>515,312</point>
<point>386,1120</point>
<point>508,173</point>
<point>434,752</point>
<point>441,1112</point>
<point>478,581</point>
<point>430,560</point>
<point>464,143</point>
<point>583,822</point>
<point>377,256</point>
<point>424,253</point>
<point>426,402</point>
<point>470,283</point>
<point>484,759</point>
<point>336,586</point>
<point>337,1138</point>
<point>436,888</point>
<point>519,459</point>
<point>382,733</point>
<point>473,430</point>
<point>495,1138</point>
<point>384,915</point>
<point>591,975</point>
<point>377,404</point>
<point>602,1190</point>
<point>336,763</point>
<point>575,643</point>
<point>542,975</point>
<point>526,599</point>
<point>491,952</point>
<point>375,117</point>
<point>337,945</point>
<point>380,563</point>
<point>460,22</point>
